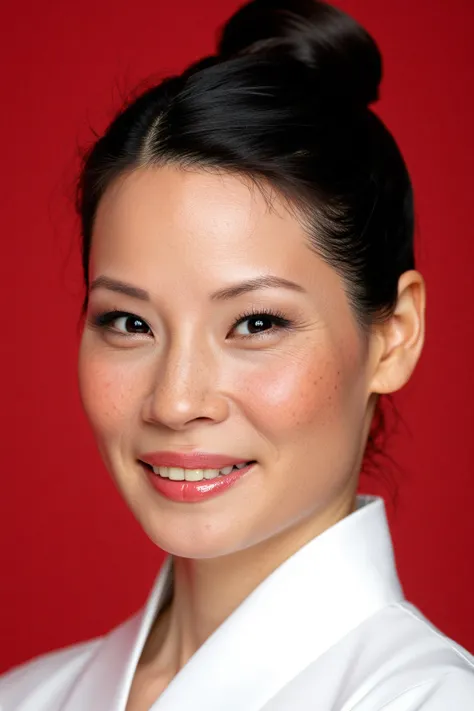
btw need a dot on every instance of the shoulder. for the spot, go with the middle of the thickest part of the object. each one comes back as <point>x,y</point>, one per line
<point>394,661</point>
<point>45,680</point>
<point>402,635</point>
<point>419,628</point>
<point>418,667</point>
<point>453,690</point>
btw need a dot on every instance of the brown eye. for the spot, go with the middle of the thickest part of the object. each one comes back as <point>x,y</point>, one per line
<point>122,322</point>
<point>132,324</point>
<point>257,324</point>
<point>261,322</point>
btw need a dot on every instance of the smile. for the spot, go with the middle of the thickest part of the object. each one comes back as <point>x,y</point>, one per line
<point>182,488</point>
<point>182,474</point>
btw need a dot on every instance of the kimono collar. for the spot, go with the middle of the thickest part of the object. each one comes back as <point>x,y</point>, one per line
<point>311,601</point>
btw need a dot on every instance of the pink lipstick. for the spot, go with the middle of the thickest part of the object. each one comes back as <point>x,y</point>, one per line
<point>193,491</point>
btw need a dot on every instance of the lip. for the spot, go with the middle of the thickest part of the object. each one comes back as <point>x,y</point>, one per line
<point>191,460</point>
<point>196,491</point>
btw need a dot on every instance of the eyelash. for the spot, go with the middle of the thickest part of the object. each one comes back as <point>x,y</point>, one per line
<point>103,321</point>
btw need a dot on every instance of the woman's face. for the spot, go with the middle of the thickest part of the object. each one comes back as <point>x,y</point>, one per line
<point>189,372</point>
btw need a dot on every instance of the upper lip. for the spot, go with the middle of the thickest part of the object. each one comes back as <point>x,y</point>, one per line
<point>191,460</point>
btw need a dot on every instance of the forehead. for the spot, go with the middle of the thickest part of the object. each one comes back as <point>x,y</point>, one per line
<point>171,225</point>
<point>169,207</point>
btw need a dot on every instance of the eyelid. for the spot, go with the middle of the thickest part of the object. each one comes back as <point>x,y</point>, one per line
<point>278,318</point>
<point>103,321</point>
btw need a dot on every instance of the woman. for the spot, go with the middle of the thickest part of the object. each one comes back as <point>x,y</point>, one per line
<point>251,294</point>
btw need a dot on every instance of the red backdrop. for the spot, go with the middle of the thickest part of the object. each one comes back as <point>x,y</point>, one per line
<point>73,560</point>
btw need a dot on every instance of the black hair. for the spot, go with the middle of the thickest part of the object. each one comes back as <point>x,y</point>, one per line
<point>286,102</point>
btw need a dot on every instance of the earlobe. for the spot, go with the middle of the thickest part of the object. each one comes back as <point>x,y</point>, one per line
<point>399,340</point>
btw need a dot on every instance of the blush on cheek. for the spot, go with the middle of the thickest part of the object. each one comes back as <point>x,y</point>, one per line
<point>103,396</point>
<point>293,393</point>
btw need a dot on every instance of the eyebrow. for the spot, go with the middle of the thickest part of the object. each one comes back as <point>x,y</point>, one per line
<point>266,281</point>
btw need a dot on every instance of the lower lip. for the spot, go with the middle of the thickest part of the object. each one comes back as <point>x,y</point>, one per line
<point>192,491</point>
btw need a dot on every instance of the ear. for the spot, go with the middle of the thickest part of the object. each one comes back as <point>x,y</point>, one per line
<point>399,340</point>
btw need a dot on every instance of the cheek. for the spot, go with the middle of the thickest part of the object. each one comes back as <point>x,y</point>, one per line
<point>306,389</point>
<point>106,392</point>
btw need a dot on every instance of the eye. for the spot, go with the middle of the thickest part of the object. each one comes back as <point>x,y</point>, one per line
<point>261,322</point>
<point>252,324</point>
<point>121,323</point>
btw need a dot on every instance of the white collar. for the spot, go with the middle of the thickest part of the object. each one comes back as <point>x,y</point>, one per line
<point>311,601</point>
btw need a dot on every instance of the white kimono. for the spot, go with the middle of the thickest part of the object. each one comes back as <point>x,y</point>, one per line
<point>329,630</point>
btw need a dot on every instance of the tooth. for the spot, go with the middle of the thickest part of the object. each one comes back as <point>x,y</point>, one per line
<point>181,474</point>
<point>193,474</point>
<point>161,471</point>
<point>226,470</point>
<point>176,473</point>
<point>210,473</point>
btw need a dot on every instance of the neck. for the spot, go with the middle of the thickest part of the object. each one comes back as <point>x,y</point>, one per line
<point>207,591</point>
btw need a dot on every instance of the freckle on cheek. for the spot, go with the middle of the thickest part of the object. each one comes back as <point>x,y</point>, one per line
<point>291,397</point>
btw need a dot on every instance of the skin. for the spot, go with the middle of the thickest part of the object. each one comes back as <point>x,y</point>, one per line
<point>299,401</point>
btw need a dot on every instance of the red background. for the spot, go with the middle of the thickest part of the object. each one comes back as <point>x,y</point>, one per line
<point>73,560</point>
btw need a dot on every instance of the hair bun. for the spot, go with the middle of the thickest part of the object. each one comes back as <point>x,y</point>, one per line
<point>344,60</point>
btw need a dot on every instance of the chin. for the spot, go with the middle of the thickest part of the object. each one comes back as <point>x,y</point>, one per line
<point>186,537</point>
<point>193,549</point>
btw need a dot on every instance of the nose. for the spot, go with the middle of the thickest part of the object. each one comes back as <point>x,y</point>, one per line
<point>185,389</point>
